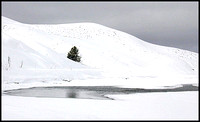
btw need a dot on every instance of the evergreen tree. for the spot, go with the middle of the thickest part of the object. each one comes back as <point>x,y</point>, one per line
<point>73,54</point>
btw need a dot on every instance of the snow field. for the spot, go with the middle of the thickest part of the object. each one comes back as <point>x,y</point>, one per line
<point>150,106</point>
<point>35,55</point>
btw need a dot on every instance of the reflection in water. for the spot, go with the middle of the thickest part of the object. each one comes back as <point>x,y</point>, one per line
<point>89,92</point>
<point>71,93</point>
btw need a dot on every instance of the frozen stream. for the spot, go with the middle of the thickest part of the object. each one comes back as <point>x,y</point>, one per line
<point>89,92</point>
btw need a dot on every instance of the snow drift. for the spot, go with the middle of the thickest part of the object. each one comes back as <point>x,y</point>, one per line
<point>39,52</point>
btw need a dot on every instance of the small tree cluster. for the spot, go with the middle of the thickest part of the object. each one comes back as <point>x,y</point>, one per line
<point>73,54</point>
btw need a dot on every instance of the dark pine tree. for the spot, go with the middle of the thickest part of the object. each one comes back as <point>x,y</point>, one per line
<point>73,54</point>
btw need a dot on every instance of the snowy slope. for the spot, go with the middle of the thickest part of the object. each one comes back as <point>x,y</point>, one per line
<point>39,51</point>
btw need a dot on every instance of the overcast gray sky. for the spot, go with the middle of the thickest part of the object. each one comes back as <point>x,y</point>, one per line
<point>173,24</point>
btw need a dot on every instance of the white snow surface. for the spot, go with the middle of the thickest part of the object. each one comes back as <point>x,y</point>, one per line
<point>36,55</point>
<point>149,106</point>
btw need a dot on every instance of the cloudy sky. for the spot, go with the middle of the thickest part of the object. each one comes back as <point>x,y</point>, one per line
<point>173,24</point>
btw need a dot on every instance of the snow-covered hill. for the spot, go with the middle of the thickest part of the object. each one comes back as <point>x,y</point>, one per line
<point>39,52</point>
